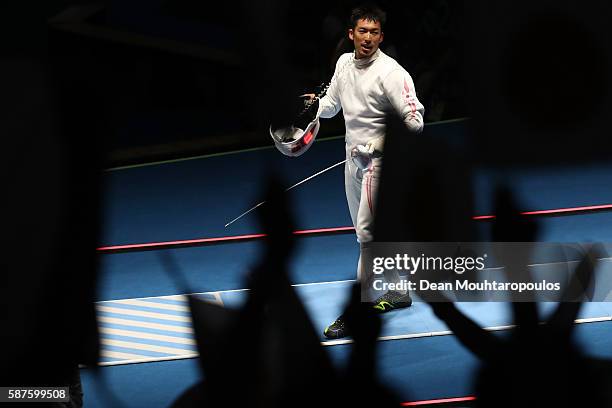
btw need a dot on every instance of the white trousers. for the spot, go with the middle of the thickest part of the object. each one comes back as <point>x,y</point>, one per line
<point>361,188</point>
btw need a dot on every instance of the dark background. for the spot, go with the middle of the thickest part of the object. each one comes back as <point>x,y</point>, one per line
<point>175,78</point>
<point>180,77</point>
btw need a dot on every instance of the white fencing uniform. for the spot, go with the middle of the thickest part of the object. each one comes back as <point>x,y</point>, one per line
<point>366,90</point>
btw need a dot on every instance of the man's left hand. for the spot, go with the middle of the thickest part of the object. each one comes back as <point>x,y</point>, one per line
<point>376,145</point>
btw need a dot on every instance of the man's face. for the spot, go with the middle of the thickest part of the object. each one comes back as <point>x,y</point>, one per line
<point>366,36</point>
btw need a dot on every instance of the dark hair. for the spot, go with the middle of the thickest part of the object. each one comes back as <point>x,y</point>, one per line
<point>368,12</point>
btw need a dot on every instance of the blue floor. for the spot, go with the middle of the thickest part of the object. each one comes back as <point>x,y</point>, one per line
<point>156,328</point>
<point>417,369</point>
<point>195,198</point>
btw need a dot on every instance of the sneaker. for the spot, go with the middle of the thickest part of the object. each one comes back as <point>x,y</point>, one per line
<point>392,300</point>
<point>337,329</point>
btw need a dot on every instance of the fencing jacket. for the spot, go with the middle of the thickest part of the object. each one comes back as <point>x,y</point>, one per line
<point>367,89</point>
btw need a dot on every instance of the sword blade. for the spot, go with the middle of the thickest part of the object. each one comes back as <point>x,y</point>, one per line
<point>243,214</point>
<point>315,175</point>
<point>287,189</point>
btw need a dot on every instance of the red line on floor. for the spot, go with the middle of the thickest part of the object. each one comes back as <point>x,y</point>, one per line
<point>186,242</point>
<point>437,401</point>
<point>555,211</point>
<point>318,231</point>
<point>211,241</point>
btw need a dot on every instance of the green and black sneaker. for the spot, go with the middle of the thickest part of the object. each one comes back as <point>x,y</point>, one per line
<point>392,300</point>
<point>337,329</point>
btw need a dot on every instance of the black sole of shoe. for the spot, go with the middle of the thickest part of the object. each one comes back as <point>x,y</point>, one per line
<point>335,337</point>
